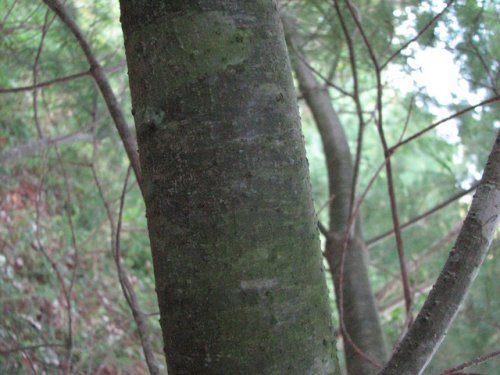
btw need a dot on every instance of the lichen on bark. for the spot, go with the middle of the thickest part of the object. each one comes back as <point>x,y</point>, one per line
<point>238,268</point>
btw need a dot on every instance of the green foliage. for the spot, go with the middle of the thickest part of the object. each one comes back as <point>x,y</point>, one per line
<point>431,168</point>
<point>54,229</point>
<point>54,226</point>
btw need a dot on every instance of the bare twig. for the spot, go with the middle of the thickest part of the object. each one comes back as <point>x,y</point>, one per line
<point>45,28</point>
<point>76,254</point>
<point>323,229</point>
<point>129,292</point>
<point>8,12</point>
<point>102,82</point>
<point>486,67</point>
<point>40,85</point>
<point>408,116</point>
<point>326,80</point>
<point>416,263</point>
<point>357,101</point>
<point>436,124</point>
<point>419,34</point>
<point>375,240</point>
<point>471,363</point>
<point>392,304</point>
<point>65,288</point>
<point>388,166</point>
<point>123,278</point>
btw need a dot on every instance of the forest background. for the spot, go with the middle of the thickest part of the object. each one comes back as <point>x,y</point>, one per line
<point>66,187</point>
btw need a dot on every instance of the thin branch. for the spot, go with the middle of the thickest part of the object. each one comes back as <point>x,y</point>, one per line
<point>485,66</point>
<point>45,28</point>
<point>471,363</point>
<point>66,288</point>
<point>34,146</point>
<point>388,166</point>
<point>327,81</point>
<point>102,82</point>
<point>123,278</point>
<point>392,304</point>
<point>40,85</point>
<point>436,124</point>
<point>419,34</point>
<point>327,203</point>
<point>375,240</point>
<point>8,12</point>
<point>408,117</point>
<point>416,263</point>
<point>323,230</point>
<point>129,292</point>
<point>357,102</point>
<point>429,329</point>
<point>76,257</point>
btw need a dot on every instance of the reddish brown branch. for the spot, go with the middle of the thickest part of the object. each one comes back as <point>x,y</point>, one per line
<point>375,240</point>
<point>388,166</point>
<point>76,258</point>
<point>100,78</point>
<point>436,124</point>
<point>419,34</point>
<point>66,291</point>
<point>326,80</point>
<point>357,102</point>
<point>471,363</point>
<point>40,85</point>
<point>416,263</point>
<point>126,286</point>
<point>45,28</point>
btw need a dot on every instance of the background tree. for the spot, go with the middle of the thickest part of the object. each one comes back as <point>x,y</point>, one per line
<point>361,325</point>
<point>58,275</point>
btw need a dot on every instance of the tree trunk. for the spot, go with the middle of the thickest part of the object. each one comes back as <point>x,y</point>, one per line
<point>360,314</point>
<point>424,337</point>
<point>239,279</point>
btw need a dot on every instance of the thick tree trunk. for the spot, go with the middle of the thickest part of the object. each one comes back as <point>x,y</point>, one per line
<point>238,269</point>
<point>360,315</point>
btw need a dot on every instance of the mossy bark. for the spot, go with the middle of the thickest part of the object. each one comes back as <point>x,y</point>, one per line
<point>238,268</point>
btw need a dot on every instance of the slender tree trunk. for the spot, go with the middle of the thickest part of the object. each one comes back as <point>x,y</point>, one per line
<point>424,337</point>
<point>239,279</point>
<point>359,311</point>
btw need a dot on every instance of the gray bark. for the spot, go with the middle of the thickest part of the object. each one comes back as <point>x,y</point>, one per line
<point>417,348</point>
<point>359,310</point>
<point>238,270</point>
